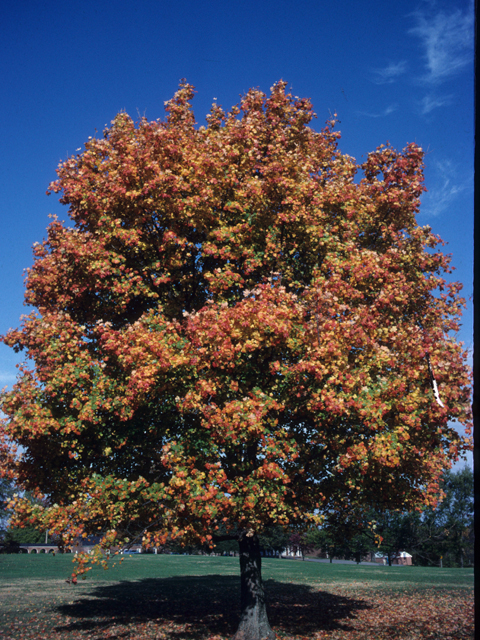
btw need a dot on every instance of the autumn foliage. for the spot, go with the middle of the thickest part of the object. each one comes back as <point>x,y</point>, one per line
<point>240,327</point>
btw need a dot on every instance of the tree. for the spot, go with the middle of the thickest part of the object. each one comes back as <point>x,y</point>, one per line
<point>300,542</point>
<point>389,532</point>
<point>25,535</point>
<point>446,533</point>
<point>441,532</point>
<point>352,536</point>
<point>6,493</point>
<point>456,514</point>
<point>273,539</point>
<point>241,327</point>
<point>322,542</point>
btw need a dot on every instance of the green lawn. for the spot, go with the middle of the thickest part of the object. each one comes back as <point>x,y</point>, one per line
<point>197,598</point>
<point>142,566</point>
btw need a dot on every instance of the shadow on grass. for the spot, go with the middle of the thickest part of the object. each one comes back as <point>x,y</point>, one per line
<point>208,605</point>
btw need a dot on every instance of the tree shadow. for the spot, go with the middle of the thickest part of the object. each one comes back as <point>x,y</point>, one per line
<point>207,605</point>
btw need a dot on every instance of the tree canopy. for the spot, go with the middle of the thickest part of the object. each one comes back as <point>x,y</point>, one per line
<point>240,327</point>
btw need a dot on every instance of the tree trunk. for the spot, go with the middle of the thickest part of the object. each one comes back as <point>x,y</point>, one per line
<point>254,623</point>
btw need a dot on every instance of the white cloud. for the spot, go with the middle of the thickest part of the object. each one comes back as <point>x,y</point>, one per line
<point>447,186</point>
<point>386,112</point>
<point>390,73</point>
<point>447,40</point>
<point>429,103</point>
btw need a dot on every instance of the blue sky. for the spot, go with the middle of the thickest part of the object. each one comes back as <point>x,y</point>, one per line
<point>400,72</point>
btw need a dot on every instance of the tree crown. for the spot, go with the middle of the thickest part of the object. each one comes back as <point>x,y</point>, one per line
<point>240,329</point>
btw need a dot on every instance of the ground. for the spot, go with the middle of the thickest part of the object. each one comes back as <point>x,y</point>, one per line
<point>197,598</point>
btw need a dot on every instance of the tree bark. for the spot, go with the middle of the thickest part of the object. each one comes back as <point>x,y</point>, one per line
<point>254,623</point>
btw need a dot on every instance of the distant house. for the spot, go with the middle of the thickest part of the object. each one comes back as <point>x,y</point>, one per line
<point>402,557</point>
<point>85,545</point>
<point>134,548</point>
<point>291,552</point>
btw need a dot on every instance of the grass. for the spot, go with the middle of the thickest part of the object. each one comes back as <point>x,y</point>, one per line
<point>197,598</point>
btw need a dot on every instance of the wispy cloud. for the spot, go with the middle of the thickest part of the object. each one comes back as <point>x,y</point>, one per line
<point>447,186</point>
<point>430,102</point>
<point>382,114</point>
<point>390,73</point>
<point>447,40</point>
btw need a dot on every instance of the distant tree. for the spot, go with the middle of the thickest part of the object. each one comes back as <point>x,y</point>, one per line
<point>441,532</point>
<point>456,514</point>
<point>273,539</point>
<point>313,537</point>
<point>357,547</point>
<point>6,493</point>
<point>387,532</point>
<point>301,542</point>
<point>241,326</point>
<point>12,537</point>
<point>27,535</point>
<point>327,540</point>
<point>348,539</point>
<point>227,546</point>
<point>447,532</point>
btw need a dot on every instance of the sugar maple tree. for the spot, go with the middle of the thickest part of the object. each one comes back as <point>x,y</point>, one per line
<point>240,329</point>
